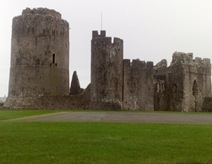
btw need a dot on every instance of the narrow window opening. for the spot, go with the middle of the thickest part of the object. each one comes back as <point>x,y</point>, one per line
<point>53,59</point>
<point>174,88</point>
<point>195,88</point>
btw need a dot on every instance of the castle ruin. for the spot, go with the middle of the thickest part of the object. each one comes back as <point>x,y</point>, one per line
<point>183,85</point>
<point>39,73</point>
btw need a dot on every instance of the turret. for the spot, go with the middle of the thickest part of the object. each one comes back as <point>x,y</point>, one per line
<point>106,69</point>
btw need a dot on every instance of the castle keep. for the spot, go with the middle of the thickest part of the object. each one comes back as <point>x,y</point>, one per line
<point>39,56</point>
<point>39,73</point>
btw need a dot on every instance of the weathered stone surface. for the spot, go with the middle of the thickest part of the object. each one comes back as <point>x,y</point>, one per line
<point>184,84</point>
<point>207,104</point>
<point>39,73</point>
<point>161,64</point>
<point>39,56</point>
<point>106,70</point>
<point>138,88</point>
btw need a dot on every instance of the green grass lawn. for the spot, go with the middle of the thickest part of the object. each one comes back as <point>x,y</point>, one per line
<point>65,142</point>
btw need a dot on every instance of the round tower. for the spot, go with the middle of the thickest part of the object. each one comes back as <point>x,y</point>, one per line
<point>106,71</point>
<point>39,56</point>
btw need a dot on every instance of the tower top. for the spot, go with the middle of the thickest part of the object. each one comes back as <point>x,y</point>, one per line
<point>41,11</point>
<point>96,34</point>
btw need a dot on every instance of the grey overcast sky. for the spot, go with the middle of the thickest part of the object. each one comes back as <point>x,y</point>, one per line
<point>151,29</point>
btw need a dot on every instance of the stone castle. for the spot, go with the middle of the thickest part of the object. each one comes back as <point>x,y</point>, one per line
<point>39,72</point>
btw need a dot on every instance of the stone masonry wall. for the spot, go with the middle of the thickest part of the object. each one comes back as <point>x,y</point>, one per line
<point>175,88</point>
<point>106,70</point>
<point>39,55</point>
<point>207,104</point>
<point>62,102</point>
<point>161,99</point>
<point>193,81</point>
<point>183,85</point>
<point>138,87</point>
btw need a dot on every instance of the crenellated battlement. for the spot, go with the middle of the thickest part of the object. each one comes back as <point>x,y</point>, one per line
<point>137,63</point>
<point>181,58</point>
<point>102,40</point>
<point>95,34</point>
<point>205,62</point>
